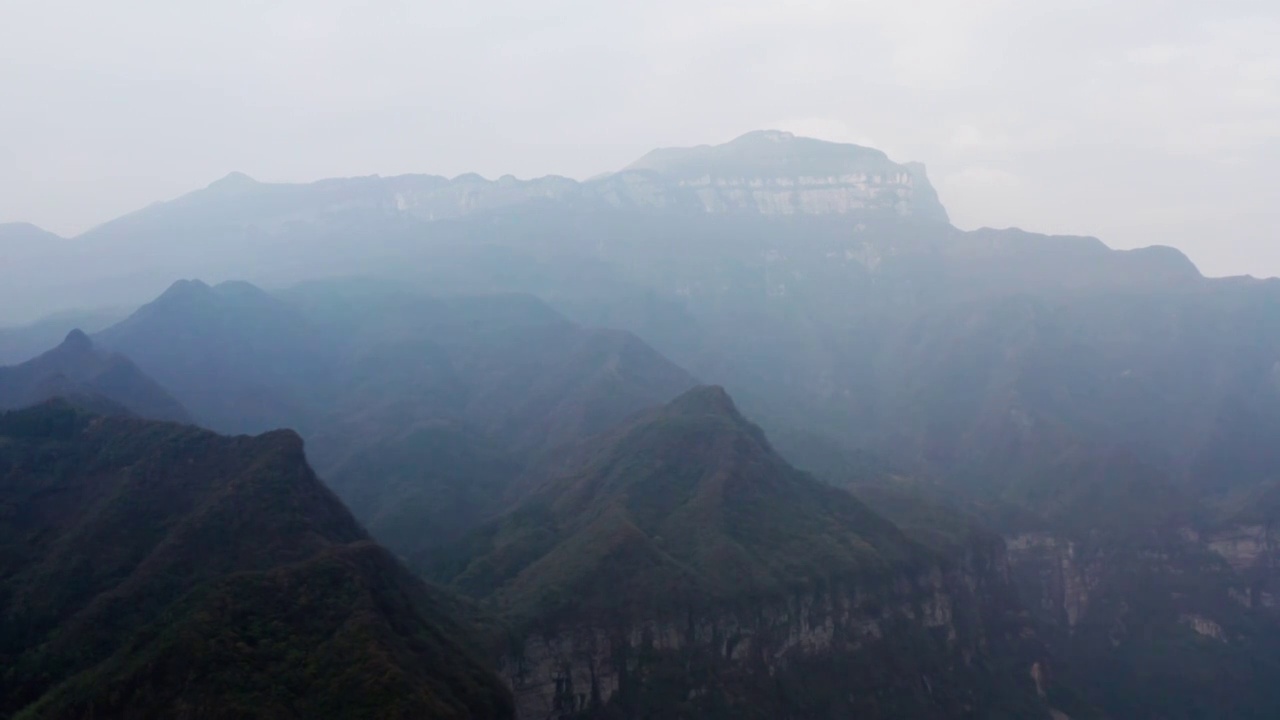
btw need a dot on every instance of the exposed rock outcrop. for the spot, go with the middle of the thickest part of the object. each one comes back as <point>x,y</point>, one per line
<point>1245,547</point>
<point>829,641</point>
<point>1061,581</point>
<point>767,173</point>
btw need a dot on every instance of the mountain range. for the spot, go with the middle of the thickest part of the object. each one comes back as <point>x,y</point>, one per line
<point>696,480</point>
<point>414,405</point>
<point>1084,433</point>
<point>372,224</point>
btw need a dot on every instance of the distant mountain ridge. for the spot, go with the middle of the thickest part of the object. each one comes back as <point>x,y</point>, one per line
<point>764,172</point>
<point>867,209</point>
<point>248,360</point>
<point>24,342</point>
<point>773,172</point>
<point>370,224</point>
<point>415,406</point>
<point>240,359</point>
<point>80,372</point>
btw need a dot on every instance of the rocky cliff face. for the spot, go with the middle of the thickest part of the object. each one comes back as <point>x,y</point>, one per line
<point>776,173</point>
<point>1253,552</point>
<point>1245,547</point>
<point>805,195</point>
<point>947,635</point>
<point>1060,578</point>
<point>1173,623</point>
<point>767,173</point>
<point>676,566</point>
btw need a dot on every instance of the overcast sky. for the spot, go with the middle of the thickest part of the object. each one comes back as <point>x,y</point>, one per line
<point>1139,122</point>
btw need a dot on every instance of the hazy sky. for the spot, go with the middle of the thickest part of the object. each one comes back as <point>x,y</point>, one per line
<point>1139,122</point>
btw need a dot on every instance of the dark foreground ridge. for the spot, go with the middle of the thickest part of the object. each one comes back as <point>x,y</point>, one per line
<point>158,570</point>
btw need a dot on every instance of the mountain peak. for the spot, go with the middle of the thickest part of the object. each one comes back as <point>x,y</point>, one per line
<point>241,289</point>
<point>77,340</point>
<point>183,289</point>
<point>74,356</point>
<point>89,378</point>
<point>705,400</point>
<point>282,539</point>
<point>766,153</point>
<point>761,136</point>
<point>181,298</point>
<point>690,497</point>
<point>774,172</point>
<point>233,181</point>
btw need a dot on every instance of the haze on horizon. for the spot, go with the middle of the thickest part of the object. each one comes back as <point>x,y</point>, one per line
<point>1140,122</point>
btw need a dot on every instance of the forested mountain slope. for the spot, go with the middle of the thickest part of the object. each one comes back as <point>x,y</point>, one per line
<point>157,570</point>
<point>676,566</point>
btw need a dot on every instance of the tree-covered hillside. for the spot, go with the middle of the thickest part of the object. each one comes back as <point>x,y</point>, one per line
<point>155,570</point>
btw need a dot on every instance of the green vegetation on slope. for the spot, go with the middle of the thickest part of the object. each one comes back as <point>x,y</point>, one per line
<point>684,505</point>
<point>158,570</point>
<point>680,563</point>
<point>417,410</point>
